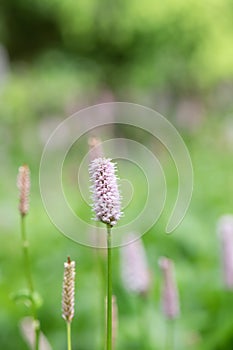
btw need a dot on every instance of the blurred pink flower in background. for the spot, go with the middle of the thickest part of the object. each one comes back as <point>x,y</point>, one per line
<point>27,330</point>
<point>134,266</point>
<point>95,148</point>
<point>225,232</point>
<point>170,298</point>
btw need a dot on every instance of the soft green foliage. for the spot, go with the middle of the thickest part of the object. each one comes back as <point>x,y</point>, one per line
<point>65,55</point>
<point>206,317</point>
<point>183,43</point>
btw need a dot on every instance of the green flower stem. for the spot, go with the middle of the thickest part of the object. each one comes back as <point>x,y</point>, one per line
<point>27,267</point>
<point>109,290</point>
<point>101,264</point>
<point>68,328</point>
<point>102,308</point>
<point>145,319</point>
<point>25,245</point>
<point>169,341</point>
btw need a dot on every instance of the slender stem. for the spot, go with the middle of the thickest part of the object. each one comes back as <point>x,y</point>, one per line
<point>145,317</point>
<point>37,333</point>
<point>101,260</point>
<point>25,246</point>
<point>102,319</point>
<point>109,290</point>
<point>68,327</point>
<point>27,267</point>
<point>169,341</point>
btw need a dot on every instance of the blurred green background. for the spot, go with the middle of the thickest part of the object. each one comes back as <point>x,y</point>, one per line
<point>175,56</point>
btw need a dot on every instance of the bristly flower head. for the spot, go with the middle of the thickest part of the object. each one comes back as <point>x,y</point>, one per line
<point>105,194</point>
<point>68,290</point>
<point>23,184</point>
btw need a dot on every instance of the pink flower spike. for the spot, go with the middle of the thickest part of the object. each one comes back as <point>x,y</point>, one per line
<point>105,194</point>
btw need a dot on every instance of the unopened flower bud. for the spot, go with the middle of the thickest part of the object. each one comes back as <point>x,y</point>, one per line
<point>68,290</point>
<point>23,184</point>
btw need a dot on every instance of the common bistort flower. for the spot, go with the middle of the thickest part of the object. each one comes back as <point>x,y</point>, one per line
<point>105,194</point>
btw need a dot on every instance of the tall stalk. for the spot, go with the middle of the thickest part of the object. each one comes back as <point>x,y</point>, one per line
<point>27,268</point>
<point>101,258</point>
<point>109,290</point>
<point>107,208</point>
<point>169,340</point>
<point>68,327</point>
<point>68,297</point>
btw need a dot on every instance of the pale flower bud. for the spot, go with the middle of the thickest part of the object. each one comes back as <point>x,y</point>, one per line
<point>23,184</point>
<point>68,290</point>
